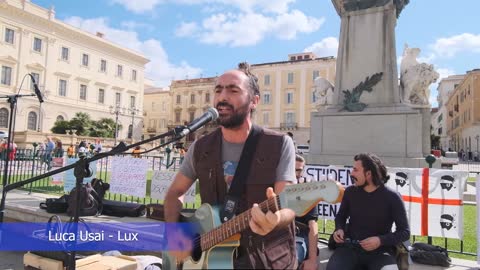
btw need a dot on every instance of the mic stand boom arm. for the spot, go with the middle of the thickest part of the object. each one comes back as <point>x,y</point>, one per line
<point>80,171</point>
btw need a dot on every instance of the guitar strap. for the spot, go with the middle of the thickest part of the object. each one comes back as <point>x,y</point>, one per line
<point>237,187</point>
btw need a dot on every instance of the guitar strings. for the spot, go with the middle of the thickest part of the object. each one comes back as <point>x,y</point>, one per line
<point>265,206</point>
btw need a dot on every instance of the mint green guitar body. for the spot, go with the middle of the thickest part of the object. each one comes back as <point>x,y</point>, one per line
<point>218,257</point>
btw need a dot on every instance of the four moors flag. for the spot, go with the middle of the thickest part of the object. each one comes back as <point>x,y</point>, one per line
<point>433,199</point>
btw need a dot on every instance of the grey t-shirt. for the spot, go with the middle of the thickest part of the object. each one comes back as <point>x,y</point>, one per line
<point>231,153</point>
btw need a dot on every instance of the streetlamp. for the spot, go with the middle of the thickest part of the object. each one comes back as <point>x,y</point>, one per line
<point>71,132</point>
<point>133,112</point>
<point>116,110</point>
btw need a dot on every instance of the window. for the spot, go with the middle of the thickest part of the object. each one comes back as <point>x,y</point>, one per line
<point>62,88</point>
<point>101,95</point>
<point>290,117</point>
<point>192,99</point>
<point>37,44</point>
<point>191,116</point>
<point>163,123</point>
<point>439,131</point>
<point>207,97</point>
<point>119,70</point>
<point>315,74</point>
<point>65,53</point>
<point>289,98</point>
<point>32,121</point>
<point>85,59</point>
<point>440,117</point>
<point>6,75</point>
<point>290,78</point>
<point>130,129</point>
<point>132,101</point>
<point>103,65</point>
<point>60,118</point>
<point>177,117</point>
<point>36,78</point>
<point>266,79</point>
<point>134,75</point>
<point>266,118</point>
<point>9,35</point>
<point>3,117</point>
<point>266,98</point>
<point>179,99</point>
<point>118,98</point>
<point>164,106</point>
<point>83,92</point>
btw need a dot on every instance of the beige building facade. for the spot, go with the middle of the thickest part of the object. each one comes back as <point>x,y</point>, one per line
<point>286,103</point>
<point>157,108</point>
<point>75,70</point>
<point>463,114</point>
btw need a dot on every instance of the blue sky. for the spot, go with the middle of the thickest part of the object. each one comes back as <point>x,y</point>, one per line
<point>193,38</point>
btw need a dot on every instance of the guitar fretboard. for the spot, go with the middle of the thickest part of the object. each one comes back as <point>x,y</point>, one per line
<point>235,225</point>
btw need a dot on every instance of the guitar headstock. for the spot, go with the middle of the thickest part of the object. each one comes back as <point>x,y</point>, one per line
<point>303,197</point>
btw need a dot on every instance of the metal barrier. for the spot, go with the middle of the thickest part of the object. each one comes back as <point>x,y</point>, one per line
<point>26,164</point>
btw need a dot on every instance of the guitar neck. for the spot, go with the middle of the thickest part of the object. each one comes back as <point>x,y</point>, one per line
<point>235,225</point>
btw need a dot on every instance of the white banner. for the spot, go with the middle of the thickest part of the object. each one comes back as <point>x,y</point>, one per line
<point>434,201</point>
<point>129,176</point>
<point>162,180</point>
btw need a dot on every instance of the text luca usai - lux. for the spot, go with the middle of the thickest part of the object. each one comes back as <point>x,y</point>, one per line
<point>92,236</point>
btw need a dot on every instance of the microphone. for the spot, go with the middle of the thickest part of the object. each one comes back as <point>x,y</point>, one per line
<point>210,115</point>
<point>37,91</point>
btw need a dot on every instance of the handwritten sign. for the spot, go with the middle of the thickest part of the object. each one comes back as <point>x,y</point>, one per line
<point>162,180</point>
<point>129,176</point>
<point>69,178</point>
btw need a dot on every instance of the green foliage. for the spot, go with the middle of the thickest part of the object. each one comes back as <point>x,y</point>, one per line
<point>60,127</point>
<point>85,126</point>
<point>351,100</point>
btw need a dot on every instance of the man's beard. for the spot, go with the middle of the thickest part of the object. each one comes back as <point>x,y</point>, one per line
<point>360,186</point>
<point>237,117</point>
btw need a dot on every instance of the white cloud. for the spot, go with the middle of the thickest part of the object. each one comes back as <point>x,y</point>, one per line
<point>276,6</point>
<point>158,69</point>
<point>449,47</point>
<point>326,47</point>
<point>246,29</point>
<point>186,29</point>
<point>138,6</point>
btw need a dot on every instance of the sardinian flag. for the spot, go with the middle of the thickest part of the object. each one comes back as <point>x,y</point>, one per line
<point>434,197</point>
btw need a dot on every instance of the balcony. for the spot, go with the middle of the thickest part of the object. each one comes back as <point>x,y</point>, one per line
<point>151,130</point>
<point>289,126</point>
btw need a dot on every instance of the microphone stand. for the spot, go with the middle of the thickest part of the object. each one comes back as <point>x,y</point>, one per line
<point>12,99</point>
<point>81,171</point>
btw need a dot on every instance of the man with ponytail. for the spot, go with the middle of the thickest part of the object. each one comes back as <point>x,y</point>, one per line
<point>367,241</point>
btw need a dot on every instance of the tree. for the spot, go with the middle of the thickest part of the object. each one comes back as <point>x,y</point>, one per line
<point>60,127</point>
<point>105,127</point>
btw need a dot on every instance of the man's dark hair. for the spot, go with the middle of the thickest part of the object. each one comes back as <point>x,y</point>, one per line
<point>299,158</point>
<point>372,163</point>
<point>252,79</point>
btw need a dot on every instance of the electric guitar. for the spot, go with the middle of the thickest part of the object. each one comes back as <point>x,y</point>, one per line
<point>214,248</point>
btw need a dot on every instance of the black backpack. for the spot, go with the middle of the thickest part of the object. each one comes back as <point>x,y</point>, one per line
<point>428,254</point>
<point>90,202</point>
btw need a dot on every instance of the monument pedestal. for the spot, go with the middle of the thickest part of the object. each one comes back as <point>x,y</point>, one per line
<point>394,134</point>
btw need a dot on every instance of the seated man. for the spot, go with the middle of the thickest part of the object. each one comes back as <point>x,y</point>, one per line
<point>307,235</point>
<point>372,208</point>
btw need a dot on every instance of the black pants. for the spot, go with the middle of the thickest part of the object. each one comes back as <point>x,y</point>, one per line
<point>353,258</point>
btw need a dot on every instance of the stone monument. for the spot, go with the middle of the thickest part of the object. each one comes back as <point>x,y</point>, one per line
<point>368,112</point>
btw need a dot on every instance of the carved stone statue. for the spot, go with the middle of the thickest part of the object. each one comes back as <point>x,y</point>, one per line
<point>415,78</point>
<point>323,92</point>
<point>353,5</point>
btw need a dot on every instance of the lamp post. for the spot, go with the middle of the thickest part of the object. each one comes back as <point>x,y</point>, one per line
<point>133,112</point>
<point>72,133</point>
<point>116,110</point>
